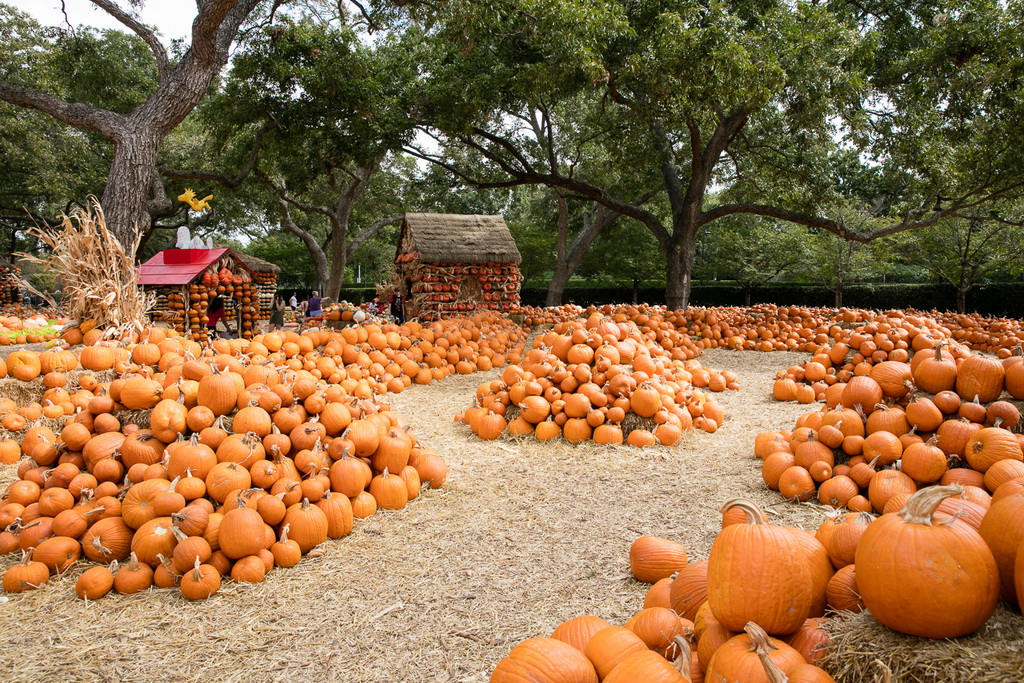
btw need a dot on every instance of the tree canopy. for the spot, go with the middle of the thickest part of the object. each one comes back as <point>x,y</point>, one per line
<point>748,129</point>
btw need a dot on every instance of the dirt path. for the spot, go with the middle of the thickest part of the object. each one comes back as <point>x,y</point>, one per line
<point>522,537</point>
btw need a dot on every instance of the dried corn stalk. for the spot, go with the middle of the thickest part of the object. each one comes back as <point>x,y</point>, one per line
<point>100,280</point>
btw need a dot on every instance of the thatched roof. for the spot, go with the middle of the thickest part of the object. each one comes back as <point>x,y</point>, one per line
<point>455,238</point>
<point>258,265</point>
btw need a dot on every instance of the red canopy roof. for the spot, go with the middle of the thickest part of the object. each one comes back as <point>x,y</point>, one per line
<point>181,266</point>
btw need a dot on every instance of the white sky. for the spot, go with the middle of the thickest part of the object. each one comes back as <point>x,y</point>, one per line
<point>172,18</point>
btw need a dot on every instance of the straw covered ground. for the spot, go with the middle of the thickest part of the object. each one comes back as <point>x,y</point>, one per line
<point>521,537</point>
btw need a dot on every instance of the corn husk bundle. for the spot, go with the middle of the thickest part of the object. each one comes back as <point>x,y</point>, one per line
<point>100,280</point>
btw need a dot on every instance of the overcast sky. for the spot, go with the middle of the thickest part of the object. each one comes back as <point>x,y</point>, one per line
<point>172,18</point>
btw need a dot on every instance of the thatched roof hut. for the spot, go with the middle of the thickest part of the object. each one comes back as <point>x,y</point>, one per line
<point>450,264</point>
<point>258,265</point>
<point>454,238</point>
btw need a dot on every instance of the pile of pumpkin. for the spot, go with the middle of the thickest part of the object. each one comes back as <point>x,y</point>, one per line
<point>767,327</point>
<point>994,335</point>
<point>603,381</point>
<point>858,351</point>
<point>876,441</point>
<point>762,579</point>
<point>535,316</point>
<point>254,452</point>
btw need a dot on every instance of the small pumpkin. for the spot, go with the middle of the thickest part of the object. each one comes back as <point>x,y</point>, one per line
<point>544,660</point>
<point>94,583</point>
<point>652,559</point>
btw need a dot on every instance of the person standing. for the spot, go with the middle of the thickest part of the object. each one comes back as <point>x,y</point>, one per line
<point>313,308</point>
<point>294,301</point>
<point>214,314</point>
<point>397,309</point>
<point>277,313</point>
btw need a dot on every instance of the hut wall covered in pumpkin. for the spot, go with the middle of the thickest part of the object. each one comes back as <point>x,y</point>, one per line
<point>185,280</point>
<point>452,264</point>
<point>10,283</point>
<point>265,277</point>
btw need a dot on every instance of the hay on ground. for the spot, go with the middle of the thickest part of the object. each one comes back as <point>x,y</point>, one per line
<point>863,649</point>
<point>522,536</point>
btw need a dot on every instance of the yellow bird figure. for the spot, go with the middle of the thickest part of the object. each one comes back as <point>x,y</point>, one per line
<point>201,204</point>
<point>198,205</point>
<point>188,196</point>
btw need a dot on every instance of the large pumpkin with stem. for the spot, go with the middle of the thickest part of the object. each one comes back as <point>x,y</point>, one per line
<point>739,659</point>
<point>758,572</point>
<point>544,660</point>
<point>926,579</point>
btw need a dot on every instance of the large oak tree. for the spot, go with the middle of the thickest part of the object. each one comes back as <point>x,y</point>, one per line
<point>133,192</point>
<point>759,100</point>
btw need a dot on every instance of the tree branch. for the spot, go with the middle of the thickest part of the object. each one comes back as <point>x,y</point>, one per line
<point>144,32</point>
<point>230,183</point>
<point>106,123</point>
<point>354,245</point>
<point>283,196</point>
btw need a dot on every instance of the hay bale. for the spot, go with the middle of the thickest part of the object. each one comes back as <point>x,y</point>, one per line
<point>862,649</point>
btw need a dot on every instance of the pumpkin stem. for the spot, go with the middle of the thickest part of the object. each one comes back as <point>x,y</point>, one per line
<point>922,505</point>
<point>771,669</point>
<point>753,513</point>
<point>284,533</point>
<point>684,659</point>
<point>97,544</point>
<point>760,642</point>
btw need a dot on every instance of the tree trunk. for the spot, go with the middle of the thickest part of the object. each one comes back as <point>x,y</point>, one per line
<point>339,258</point>
<point>320,265</point>
<point>568,260</point>
<point>747,295</point>
<point>636,291</point>
<point>340,218</point>
<point>125,196</point>
<point>838,291</point>
<point>679,267</point>
<point>560,276</point>
<point>961,299</point>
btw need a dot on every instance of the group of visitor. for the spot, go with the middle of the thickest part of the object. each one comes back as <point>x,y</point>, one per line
<point>310,308</point>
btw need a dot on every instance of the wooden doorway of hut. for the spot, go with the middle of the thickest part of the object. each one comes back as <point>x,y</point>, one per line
<point>470,291</point>
<point>407,311</point>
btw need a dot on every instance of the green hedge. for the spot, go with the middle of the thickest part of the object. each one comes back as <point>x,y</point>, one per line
<point>997,298</point>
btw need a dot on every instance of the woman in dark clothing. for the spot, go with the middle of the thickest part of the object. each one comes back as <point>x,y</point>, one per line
<point>314,308</point>
<point>277,313</point>
<point>397,309</point>
<point>214,314</point>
